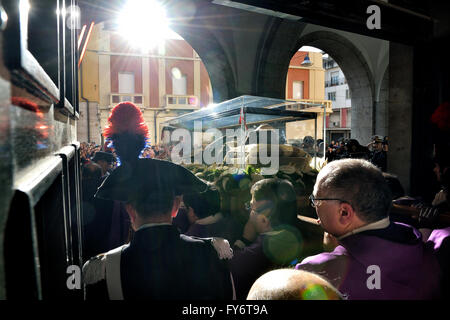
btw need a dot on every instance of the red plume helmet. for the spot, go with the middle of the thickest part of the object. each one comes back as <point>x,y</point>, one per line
<point>127,130</point>
<point>126,117</point>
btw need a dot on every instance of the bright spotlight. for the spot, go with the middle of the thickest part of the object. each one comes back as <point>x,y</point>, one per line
<point>143,23</point>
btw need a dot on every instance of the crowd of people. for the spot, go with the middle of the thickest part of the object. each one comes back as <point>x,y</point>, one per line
<point>183,244</point>
<point>375,151</point>
<point>88,151</point>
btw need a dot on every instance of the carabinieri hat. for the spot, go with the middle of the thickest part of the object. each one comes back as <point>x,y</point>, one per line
<point>149,179</point>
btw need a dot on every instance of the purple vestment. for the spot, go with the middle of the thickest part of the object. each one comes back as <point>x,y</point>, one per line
<point>407,268</point>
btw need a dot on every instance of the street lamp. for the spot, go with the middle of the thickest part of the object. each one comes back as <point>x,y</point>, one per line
<point>306,62</point>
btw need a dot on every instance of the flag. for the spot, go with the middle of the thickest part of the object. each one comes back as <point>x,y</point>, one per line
<point>242,118</point>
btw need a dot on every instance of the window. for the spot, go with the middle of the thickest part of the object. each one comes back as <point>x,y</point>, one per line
<point>297,90</point>
<point>126,82</point>
<point>347,94</point>
<point>138,99</point>
<point>179,82</point>
<point>329,64</point>
<point>332,96</point>
<point>335,78</point>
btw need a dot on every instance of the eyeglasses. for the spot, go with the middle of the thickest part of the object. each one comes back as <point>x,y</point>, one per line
<point>315,202</point>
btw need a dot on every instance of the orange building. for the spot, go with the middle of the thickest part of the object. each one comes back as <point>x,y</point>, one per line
<point>306,84</point>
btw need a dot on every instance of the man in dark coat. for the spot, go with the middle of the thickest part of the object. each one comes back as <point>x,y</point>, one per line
<point>378,156</point>
<point>97,213</point>
<point>375,258</point>
<point>159,263</point>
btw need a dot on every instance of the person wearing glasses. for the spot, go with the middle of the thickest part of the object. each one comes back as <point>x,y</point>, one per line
<point>270,239</point>
<point>375,257</point>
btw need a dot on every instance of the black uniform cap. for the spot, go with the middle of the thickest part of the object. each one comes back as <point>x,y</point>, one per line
<point>149,179</point>
<point>377,139</point>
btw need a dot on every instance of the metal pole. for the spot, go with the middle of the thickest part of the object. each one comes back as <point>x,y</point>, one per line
<point>242,137</point>
<point>315,141</point>
<point>324,129</point>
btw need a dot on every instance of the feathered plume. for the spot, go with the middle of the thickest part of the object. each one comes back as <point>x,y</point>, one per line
<point>127,130</point>
<point>441,116</point>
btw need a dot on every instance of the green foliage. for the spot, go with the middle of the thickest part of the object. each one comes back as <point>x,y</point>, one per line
<point>251,169</point>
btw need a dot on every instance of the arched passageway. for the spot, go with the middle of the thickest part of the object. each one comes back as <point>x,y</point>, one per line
<point>357,73</point>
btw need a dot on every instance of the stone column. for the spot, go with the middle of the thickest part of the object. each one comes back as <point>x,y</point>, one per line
<point>197,83</point>
<point>162,80</point>
<point>104,69</point>
<point>104,86</point>
<point>400,112</point>
<point>146,81</point>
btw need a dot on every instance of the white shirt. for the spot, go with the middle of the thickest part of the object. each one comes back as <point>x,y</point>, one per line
<point>380,224</point>
<point>148,225</point>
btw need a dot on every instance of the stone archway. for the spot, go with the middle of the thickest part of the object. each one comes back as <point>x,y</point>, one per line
<point>247,53</point>
<point>358,75</point>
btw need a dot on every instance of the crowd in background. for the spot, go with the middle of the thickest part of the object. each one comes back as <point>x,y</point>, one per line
<point>88,151</point>
<point>375,151</point>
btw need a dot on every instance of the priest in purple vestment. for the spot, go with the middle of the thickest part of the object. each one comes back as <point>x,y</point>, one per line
<point>375,257</point>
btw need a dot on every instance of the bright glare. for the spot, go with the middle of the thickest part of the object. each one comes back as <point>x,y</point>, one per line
<point>176,73</point>
<point>24,6</point>
<point>4,17</point>
<point>309,49</point>
<point>74,12</point>
<point>143,23</point>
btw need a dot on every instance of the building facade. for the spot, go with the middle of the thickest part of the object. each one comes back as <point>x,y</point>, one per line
<point>171,80</point>
<point>306,84</point>
<point>165,82</point>
<point>337,91</point>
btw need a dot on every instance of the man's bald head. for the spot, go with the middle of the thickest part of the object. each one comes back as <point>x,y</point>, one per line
<point>291,284</point>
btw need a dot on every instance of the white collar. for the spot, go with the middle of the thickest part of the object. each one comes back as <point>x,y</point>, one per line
<point>210,219</point>
<point>380,224</point>
<point>148,225</point>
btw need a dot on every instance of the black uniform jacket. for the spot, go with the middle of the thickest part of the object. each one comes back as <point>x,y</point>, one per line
<point>162,264</point>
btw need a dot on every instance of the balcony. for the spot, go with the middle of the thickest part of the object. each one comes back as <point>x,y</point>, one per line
<point>312,107</point>
<point>182,102</point>
<point>137,99</point>
<point>329,64</point>
<point>335,82</point>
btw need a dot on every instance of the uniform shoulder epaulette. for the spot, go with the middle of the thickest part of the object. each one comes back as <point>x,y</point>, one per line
<point>94,270</point>
<point>223,248</point>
